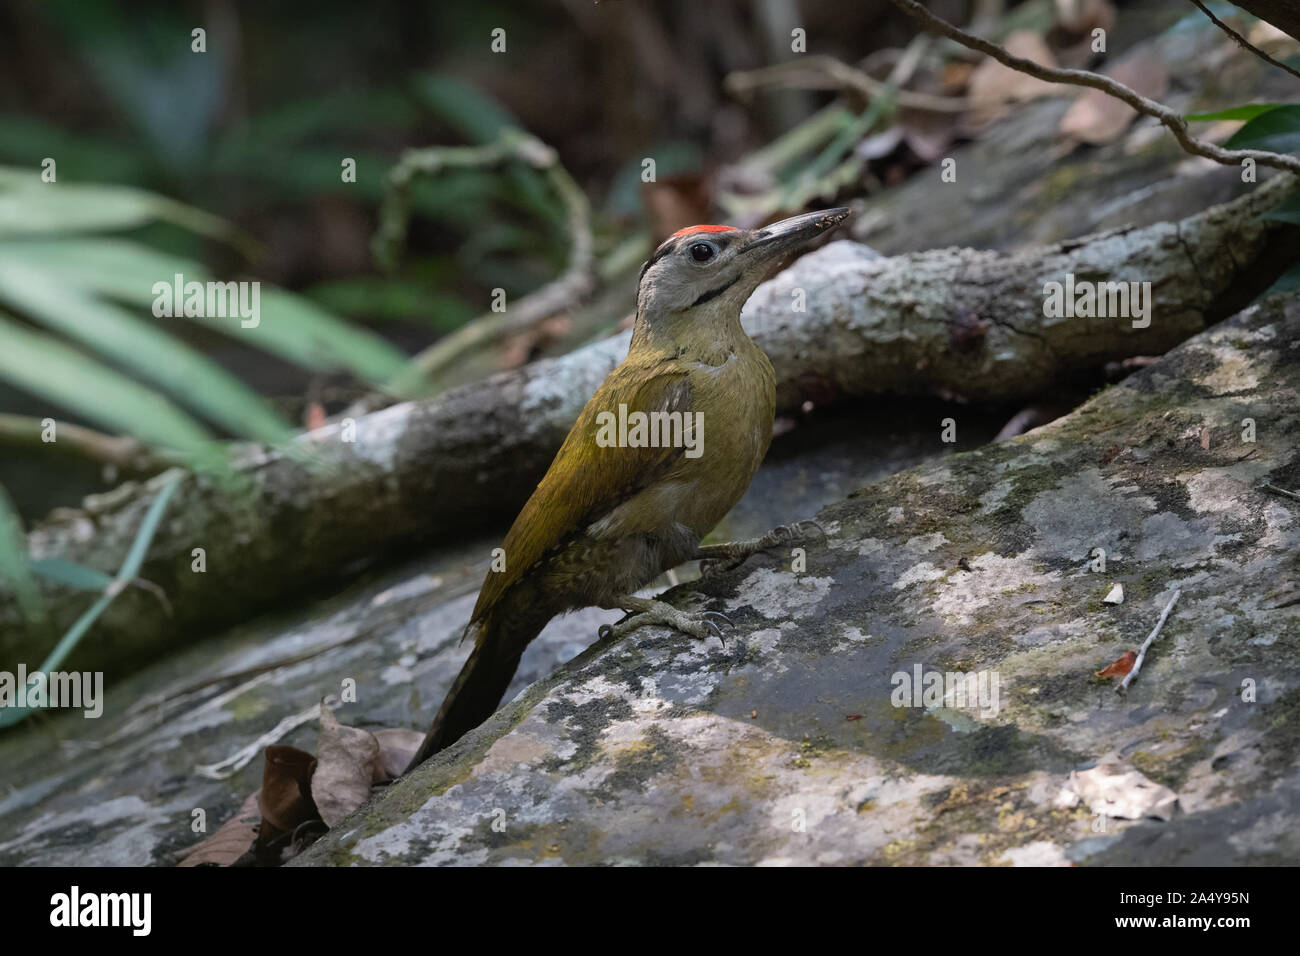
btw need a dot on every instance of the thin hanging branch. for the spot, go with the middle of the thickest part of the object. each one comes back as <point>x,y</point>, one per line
<point>1243,42</point>
<point>121,452</point>
<point>1172,120</point>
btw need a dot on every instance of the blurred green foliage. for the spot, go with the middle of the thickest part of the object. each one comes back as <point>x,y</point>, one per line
<point>219,132</point>
<point>169,162</point>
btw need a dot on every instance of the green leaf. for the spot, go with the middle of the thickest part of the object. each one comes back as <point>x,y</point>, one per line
<point>401,300</point>
<point>130,569</point>
<point>344,113</point>
<point>46,367</point>
<point>466,108</point>
<point>81,155</point>
<point>480,119</point>
<point>1286,211</point>
<point>71,574</point>
<point>170,96</point>
<point>311,172</point>
<point>1278,131</point>
<point>112,267</point>
<point>29,206</point>
<point>304,333</point>
<point>1237,112</point>
<point>137,345</point>
<point>291,327</point>
<point>15,571</point>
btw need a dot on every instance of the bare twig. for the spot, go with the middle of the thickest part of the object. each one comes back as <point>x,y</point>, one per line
<point>1243,42</point>
<point>1281,491</point>
<point>121,452</point>
<point>242,757</point>
<point>1142,651</point>
<point>1172,120</point>
<point>576,283</point>
<point>828,73</point>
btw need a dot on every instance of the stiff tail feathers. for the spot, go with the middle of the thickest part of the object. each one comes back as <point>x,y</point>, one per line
<point>478,688</point>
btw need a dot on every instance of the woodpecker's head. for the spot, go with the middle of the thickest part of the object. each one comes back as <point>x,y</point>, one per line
<point>711,270</point>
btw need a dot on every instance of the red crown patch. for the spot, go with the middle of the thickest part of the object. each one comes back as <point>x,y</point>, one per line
<point>690,229</point>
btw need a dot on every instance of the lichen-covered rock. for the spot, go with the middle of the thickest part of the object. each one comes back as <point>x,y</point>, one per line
<point>124,788</point>
<point>788,744</point>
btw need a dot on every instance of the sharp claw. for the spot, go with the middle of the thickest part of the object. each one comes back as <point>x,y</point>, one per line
<point>724,617</point>
<point>604,632</point>
<point>716,630</point>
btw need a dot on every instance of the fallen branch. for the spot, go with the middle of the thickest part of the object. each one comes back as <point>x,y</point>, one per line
<point>950,321</point>
<point>1170,119</point>
<point>1281,491</point>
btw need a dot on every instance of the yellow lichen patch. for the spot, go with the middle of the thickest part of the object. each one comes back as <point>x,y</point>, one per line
<point>894,851</point>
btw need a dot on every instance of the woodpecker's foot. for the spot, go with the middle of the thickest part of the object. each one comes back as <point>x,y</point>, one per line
<point>643,611</point>
<point>718,558</point>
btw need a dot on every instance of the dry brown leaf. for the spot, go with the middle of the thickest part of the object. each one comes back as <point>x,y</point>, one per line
<point>993,86</point>
<point>232,840</point>
<point>522,348</point>
<point>285,797</point>
<point>955,76</point>
<point>1119,667</point>
<point>346,758</point>
<point>396,748</point>
<point>1097,117</point>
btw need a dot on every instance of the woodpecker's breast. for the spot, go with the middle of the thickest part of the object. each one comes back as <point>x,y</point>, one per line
<point>737,400</point>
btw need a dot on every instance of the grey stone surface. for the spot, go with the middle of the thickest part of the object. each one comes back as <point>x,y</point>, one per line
<point>122,789</point>
<point>783,746</point>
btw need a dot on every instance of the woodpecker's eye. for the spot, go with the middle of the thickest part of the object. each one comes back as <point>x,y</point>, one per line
<point>702,251</point>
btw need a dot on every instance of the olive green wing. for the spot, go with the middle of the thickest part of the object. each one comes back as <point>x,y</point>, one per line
<point>586,481</point>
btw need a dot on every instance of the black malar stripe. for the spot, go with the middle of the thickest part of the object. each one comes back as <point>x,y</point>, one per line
<point>714,293</point>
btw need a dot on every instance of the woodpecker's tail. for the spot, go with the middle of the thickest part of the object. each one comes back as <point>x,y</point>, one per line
<point>480,685</point>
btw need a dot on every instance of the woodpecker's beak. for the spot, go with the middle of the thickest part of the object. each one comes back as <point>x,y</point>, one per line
<point>780,237</point>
